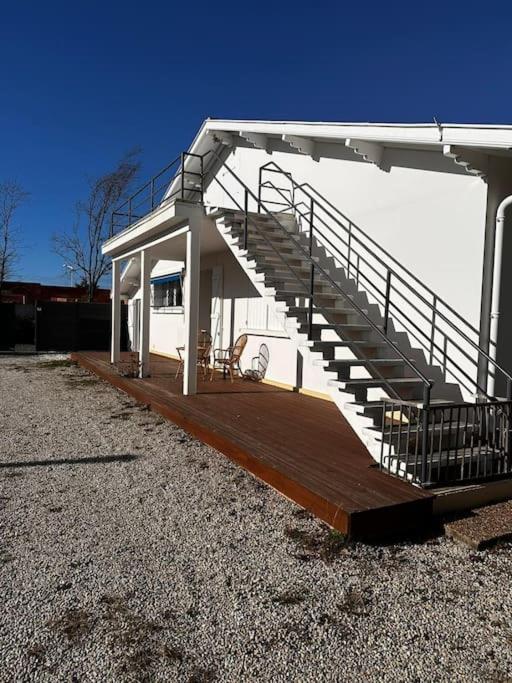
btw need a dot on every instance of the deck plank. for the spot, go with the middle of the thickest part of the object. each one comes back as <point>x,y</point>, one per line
<point>300,445</point>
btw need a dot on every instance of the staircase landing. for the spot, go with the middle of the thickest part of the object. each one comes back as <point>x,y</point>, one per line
<point>299,445</point>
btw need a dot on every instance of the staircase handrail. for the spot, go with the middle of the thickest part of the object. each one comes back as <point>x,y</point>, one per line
<point>368,237</point>
<point>427,383</point>
<point>429,305</point>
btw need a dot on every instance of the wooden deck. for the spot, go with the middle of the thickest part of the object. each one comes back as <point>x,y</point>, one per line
<point>301,446</point>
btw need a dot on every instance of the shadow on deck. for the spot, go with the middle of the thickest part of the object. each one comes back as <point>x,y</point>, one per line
<point>301,446</point>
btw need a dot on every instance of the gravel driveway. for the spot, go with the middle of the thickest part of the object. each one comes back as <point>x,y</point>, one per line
<point>131,552</point>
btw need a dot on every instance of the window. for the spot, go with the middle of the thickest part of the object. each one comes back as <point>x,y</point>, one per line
<point>167,291</point>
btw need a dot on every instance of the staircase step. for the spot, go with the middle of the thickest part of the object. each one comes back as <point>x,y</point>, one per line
<point>354,362</point>
<point>301,293</point>
<point>455,457</point>
<point>374,382</point>
<point>331,310</point>
<point>361,406</point>
<point>344,327</point>
<point>368,343</point>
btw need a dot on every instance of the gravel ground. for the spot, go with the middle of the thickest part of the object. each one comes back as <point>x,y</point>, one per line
<point>131,552</point>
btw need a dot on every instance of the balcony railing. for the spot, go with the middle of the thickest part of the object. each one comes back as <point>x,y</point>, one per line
<point>181,179</point>
<point>446,443</point>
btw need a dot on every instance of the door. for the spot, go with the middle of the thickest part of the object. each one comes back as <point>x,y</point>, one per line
<point>216,308</point>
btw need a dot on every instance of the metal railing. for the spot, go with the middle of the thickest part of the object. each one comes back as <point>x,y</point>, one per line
<point>446,443</point>
<point>422,441</point>
<point>403,298</point>
<point>188,183</point>
<point>316,271</point>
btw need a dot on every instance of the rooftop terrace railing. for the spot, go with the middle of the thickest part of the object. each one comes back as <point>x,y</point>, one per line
<point>176,181</point>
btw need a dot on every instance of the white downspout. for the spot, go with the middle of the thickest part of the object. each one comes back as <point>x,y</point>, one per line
<point>496,287</point>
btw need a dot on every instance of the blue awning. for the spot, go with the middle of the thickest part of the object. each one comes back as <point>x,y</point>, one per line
<point>164,279</point>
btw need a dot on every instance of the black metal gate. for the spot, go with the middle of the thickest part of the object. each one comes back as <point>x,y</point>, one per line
<point>58,326</point>
<point>17,327</point>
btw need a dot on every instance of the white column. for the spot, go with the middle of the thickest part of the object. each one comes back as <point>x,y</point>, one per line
<point>191,307</point>
<point>145,309</point>
<point>115,342</point>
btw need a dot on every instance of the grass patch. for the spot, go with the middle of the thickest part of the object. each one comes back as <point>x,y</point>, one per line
<point>200,675</point>
<point>16,368</point>
<point>291,597</point>
<point>54,364</point>
<point>36,650</point>
<point>356,602</point>
<point>123,415</point>
<point>5,557</point>
<point>73,624</point>
<point>325,544</point>
<point>14,474</point>
<point>136,639</point>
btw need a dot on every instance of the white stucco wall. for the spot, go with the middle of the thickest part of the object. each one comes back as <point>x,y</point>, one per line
<point>426,211</point>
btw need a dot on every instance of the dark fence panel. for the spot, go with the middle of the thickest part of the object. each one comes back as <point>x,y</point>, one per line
<point>25,327</point>
<point>7,327</point>
<point>77,326</point>
<point>59,326</point>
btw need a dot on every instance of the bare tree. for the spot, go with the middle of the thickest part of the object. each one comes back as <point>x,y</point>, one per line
<point>12,196</point>
<point>81,247</point>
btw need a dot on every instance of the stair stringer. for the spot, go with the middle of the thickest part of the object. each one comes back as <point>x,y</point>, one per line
<point>359,422</point>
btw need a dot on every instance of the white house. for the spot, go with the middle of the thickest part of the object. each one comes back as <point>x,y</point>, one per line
<point>365,257</point>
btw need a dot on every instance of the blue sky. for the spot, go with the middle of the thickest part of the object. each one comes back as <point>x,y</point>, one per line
<point>83,82</point>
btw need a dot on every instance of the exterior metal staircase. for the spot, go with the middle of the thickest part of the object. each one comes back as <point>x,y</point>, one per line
<point>400,363</point>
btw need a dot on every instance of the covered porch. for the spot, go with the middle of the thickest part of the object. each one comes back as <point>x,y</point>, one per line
<point>178,232</point>
<point>300,445</point>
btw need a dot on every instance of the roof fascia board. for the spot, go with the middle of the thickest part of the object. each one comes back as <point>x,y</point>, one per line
<point>500,138</point>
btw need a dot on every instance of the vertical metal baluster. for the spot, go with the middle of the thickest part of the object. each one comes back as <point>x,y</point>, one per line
<point>472,441</point>
<point>450,426</point>
<point>312,273</point>
<point>182,157</point>
<point>433,328</point>
<point>440,443</point>
<point>399,446</point>
<point>349,250</point>
<point>246,217</point>
<point>464,439</point>
<point>457,434</point>
<point>506,417</point>
<point>490,438</point>
<point>445,355</point>
<point>408,439</point>
<point>425,416</point>
<point>390,437</point>
<point>386,303</point>
<point>479,434</point>
<point>508,440</point>
<point>432,412</point>
<point>419,433</point>
<point>201,179</point>
<point>383,428</point>
<point>260,174</point>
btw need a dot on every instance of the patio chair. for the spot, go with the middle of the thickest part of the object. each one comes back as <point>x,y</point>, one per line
<point>259,365</point>
<point>204,346</point>
<point>229,359</point>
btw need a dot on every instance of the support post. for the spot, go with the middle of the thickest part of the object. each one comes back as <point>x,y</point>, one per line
<point>145,308</point>
<point>191,307</point>
<point>115,342</point>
